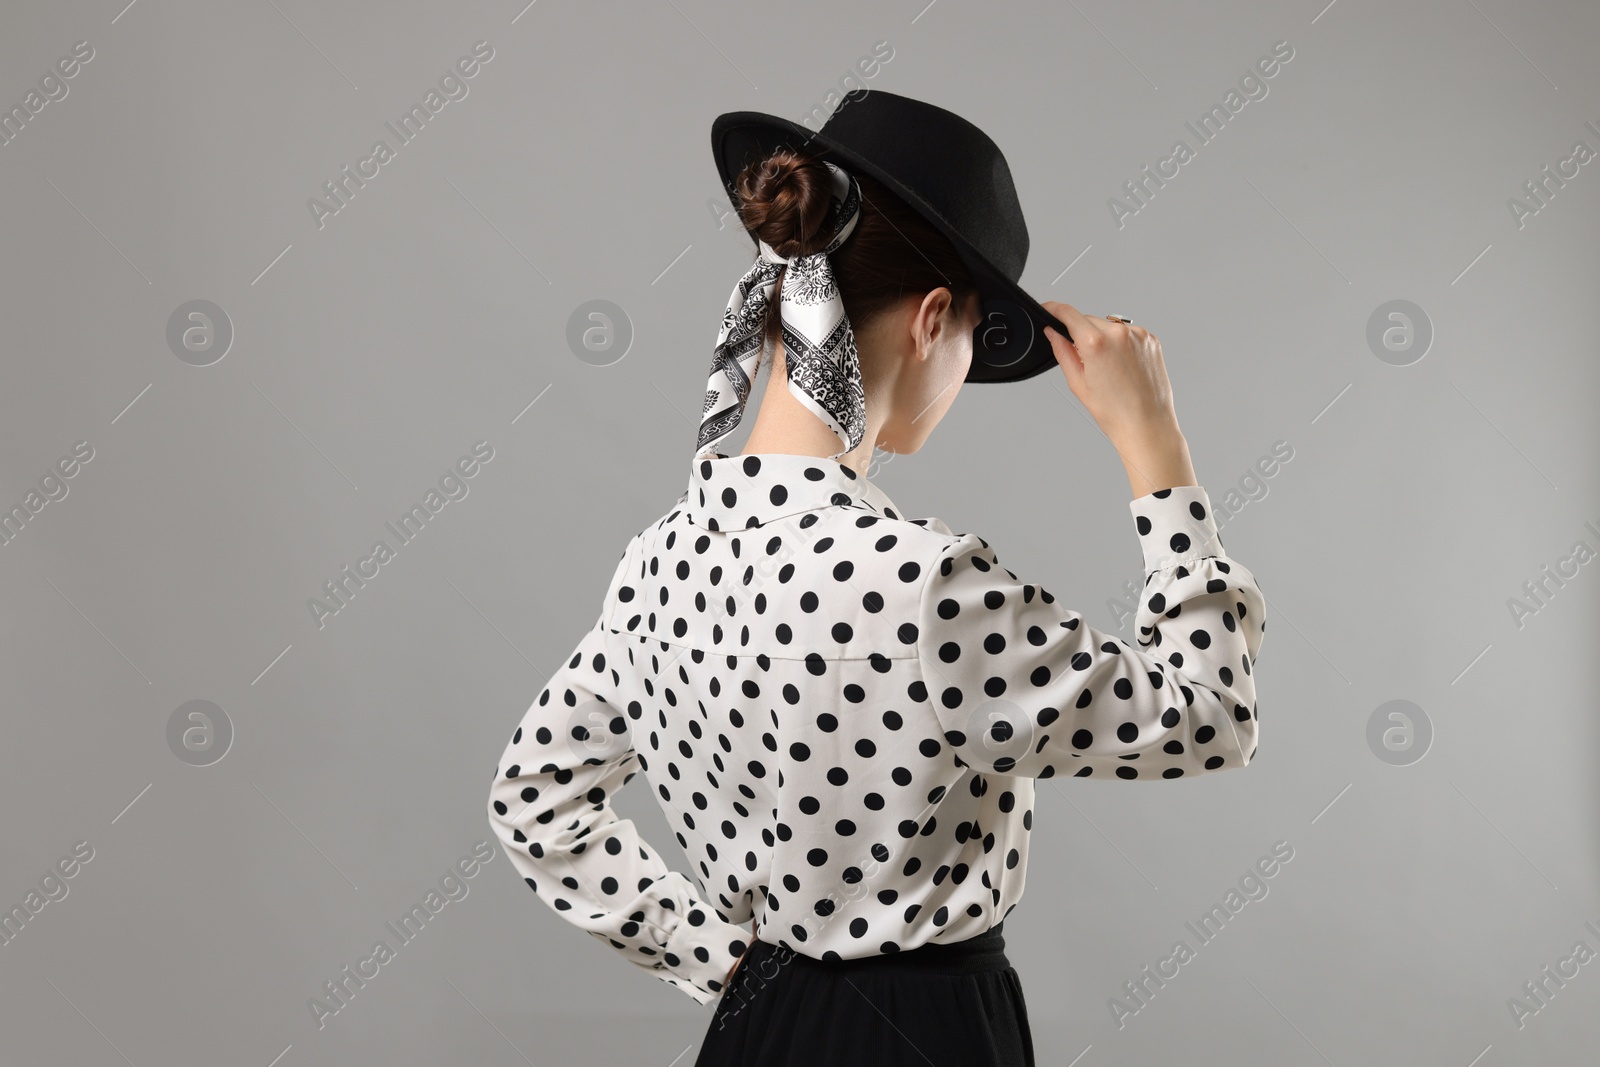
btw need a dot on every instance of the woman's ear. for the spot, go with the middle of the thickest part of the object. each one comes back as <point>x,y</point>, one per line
<point>933,318</point>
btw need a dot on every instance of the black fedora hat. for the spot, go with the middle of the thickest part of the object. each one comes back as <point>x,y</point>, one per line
<point>950,172</point>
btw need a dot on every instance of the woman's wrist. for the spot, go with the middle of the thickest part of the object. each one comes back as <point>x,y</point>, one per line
<point>1156,458</point>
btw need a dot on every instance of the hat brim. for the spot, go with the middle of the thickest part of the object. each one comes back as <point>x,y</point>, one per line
<point>1009,346</point>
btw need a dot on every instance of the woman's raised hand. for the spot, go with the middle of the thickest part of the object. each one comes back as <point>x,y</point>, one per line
<point>1115,369</point>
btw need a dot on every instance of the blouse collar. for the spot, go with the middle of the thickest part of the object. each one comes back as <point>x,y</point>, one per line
<point>738,492</point>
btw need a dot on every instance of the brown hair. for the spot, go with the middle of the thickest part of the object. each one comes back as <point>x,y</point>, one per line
<point>892,252</point>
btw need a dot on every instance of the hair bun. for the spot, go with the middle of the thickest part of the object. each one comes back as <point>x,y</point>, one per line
<point>783,200</point>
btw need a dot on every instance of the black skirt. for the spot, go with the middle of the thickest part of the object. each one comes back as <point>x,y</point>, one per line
<point>937,1005</point>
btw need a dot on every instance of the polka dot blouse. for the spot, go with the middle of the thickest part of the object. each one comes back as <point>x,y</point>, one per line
<point>842,711</point>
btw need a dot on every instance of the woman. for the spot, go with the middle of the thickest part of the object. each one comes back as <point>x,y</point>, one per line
<point>841,710</point>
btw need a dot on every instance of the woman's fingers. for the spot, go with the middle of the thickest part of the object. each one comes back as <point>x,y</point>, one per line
<point>1066,352</point>
<point>1115,370</point>
<point>1076,321</point>
<point>1067,356</point>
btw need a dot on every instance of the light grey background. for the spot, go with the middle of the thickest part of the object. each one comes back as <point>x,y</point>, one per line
<point>432,311</point>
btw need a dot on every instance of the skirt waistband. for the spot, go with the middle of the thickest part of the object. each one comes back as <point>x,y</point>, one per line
<point>977,954</point>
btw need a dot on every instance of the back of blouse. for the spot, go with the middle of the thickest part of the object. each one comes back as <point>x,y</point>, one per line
<point>841,712</point>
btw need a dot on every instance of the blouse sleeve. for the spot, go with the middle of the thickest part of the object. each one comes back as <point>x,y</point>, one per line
<point>1022,685</point>
<point>550,806</point>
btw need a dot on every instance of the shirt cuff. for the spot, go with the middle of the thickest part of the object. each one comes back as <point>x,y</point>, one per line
<point>1175,526</point>
<point>699,952</point>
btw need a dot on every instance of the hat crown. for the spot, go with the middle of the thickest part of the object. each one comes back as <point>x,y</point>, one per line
<point>956,169</point>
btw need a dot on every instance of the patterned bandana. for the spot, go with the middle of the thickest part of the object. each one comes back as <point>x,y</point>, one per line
<point>824,372</point>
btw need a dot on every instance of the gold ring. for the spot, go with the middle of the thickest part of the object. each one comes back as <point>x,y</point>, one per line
<point>1118,318</point>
